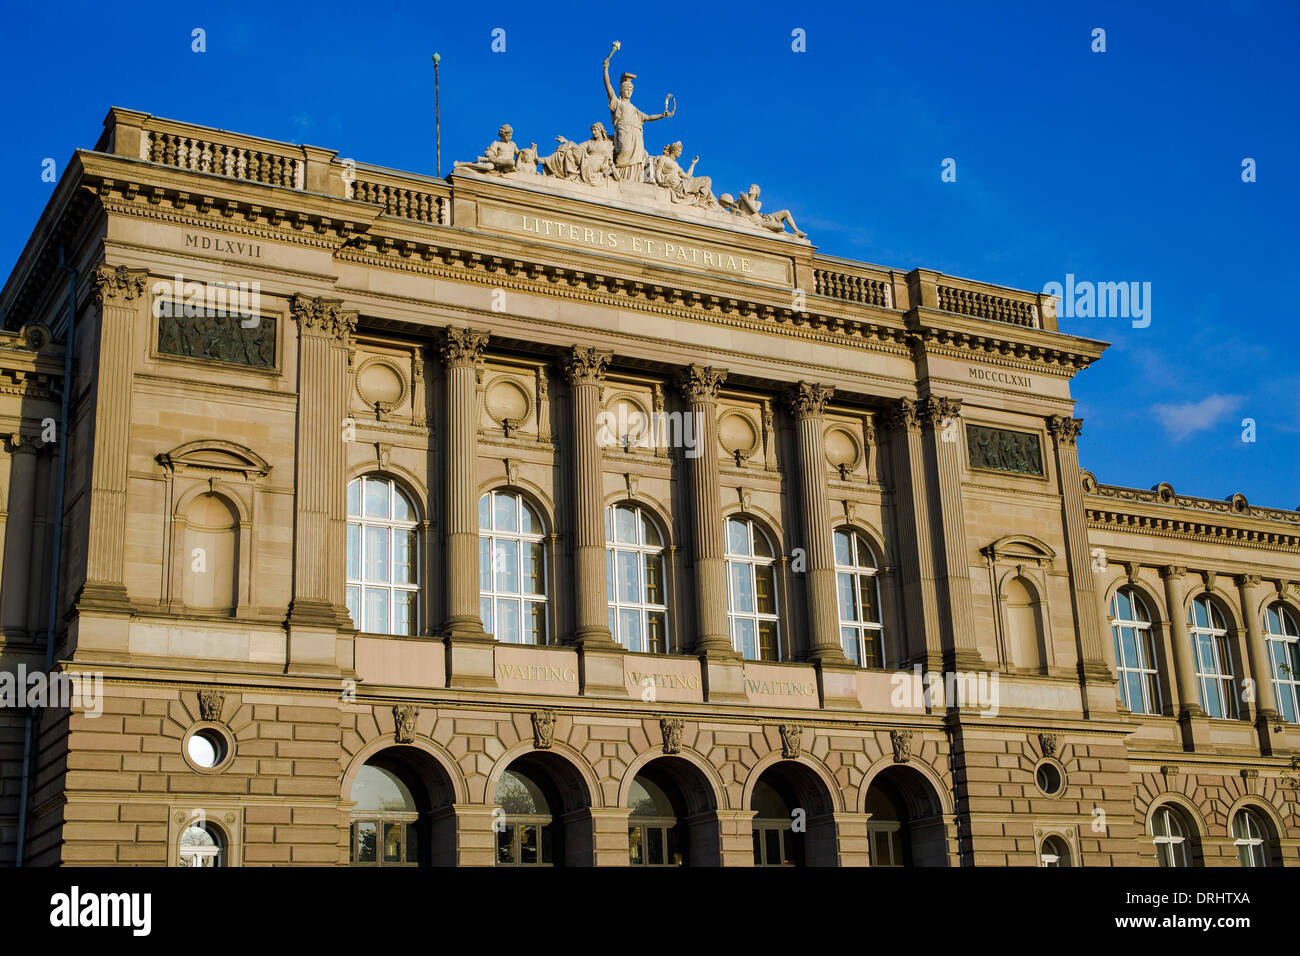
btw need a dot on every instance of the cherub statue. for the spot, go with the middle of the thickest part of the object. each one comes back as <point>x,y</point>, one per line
<point>503,156</point>
<point>747,205</point>
<point>681,184</point>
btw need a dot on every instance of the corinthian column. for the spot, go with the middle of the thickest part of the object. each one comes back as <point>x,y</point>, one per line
<point>584,369</point>
<point>462,350</point>
<point>318,609</point>
<point>807,403</point>
<point>952,569</point>
<point>1256,649</point>
<point>699,386</point>
<point>1093,656</point>
<point>120,294</point>
<point>1189,701</point>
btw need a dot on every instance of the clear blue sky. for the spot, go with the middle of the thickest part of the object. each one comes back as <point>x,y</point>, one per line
<point>1115,166</point>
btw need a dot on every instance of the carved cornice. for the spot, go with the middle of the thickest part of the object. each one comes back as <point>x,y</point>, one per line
<point>808,399</point>
<point>1163,494</point>
<point>903,415</point>
<point>118,286</point>
<point>463,347</point>
<point>1176,527</point>
<point>586,366</point>
<point>323,316</point>
<point>1064,429</point>
<point>699,383</point>
<point>937,409</point>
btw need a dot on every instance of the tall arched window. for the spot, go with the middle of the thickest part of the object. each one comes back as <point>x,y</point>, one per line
<point>1135,652</point>
<point>1169,834</point>
<point>383,820</point>
<point>383,558</point>
<point>202,844</point>
<point>634,572</point>
<point>861,630</point>
<point>1213,656</point>
<point>1283,638</point>
<point>751,592</point>
<point>527,834</point>
<point>211,554</point>
<point>511,569</point>
<point>1251,837</point>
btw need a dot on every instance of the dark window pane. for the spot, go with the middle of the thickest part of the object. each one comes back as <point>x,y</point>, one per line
<point>367,834</point>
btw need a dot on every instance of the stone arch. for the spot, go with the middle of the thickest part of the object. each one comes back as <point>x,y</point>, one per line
<point>909,815</point>
<point>1155,603</point>
<point>941,789</point>
<point>708,774</point>
<point>652,505</point>
<point>530,492</point>
<point>1190,811</point>
<point>561,751</point>
<point>427,747</point>
<point>434,786</point>
<point>833,797</point>
<point>569,783</point>
<point>404,479</point>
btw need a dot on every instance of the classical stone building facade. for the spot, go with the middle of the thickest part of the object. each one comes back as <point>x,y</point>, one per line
<point>560,518</point>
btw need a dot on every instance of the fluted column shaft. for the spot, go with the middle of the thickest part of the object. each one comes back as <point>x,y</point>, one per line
<point>699,386</point>
<point>952,569</point>
<point>120,293</point>
<point>585,371</point>
<point>1189,700</point>
<point>916,553</point>
<point>807,403</point>
<point>1088,625</point>
<point>462,350</point>
<point>1256,646</point>
<point>320,522</point>
<point>18,527</point>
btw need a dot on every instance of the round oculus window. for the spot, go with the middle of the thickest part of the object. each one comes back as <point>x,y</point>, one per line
<point>206,749</point>
<point>1049,779</point>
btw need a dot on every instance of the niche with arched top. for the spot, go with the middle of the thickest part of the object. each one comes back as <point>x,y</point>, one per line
<point>210,576</point>
<point>1022,610</point>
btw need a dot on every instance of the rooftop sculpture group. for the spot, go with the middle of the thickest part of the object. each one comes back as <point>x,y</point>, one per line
<point>603,161</point>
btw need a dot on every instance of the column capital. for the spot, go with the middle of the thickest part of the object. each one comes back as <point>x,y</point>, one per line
<point>16,443</point>
<point>586,366</point>
<point>1172,572</point>
<point>1245,581</point>
<point>1064,429</point>
<point>937,409</point>
<point>463,347</point>
<point>117,285</point>
<point>903,415</point>
<point>808,399</point>
<point>323,316</point>
<point>700,383</point>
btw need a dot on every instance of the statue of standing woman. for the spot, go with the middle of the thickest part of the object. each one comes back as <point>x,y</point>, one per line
<point>629,143</point>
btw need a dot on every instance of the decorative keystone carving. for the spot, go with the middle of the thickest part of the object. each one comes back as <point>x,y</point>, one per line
<point>937,409</point>
<point>543,729</point>
<point>699,383</point>
<point>791,741</point>
<point>586,366</point>
<point>1047,742</point>
<point>808,400</point>
<point>671,728</point>
<point>1173,571</point>
<point>1209,577</point>
<point>120,284</point>
<point>902,742</point>
<point>404,716</point>
<point>326,316</point>
<point>1064,429</point>
<point>1169,770</point>
<point>903,415</point>
<point>463,346</point>
<point>210,703</point>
